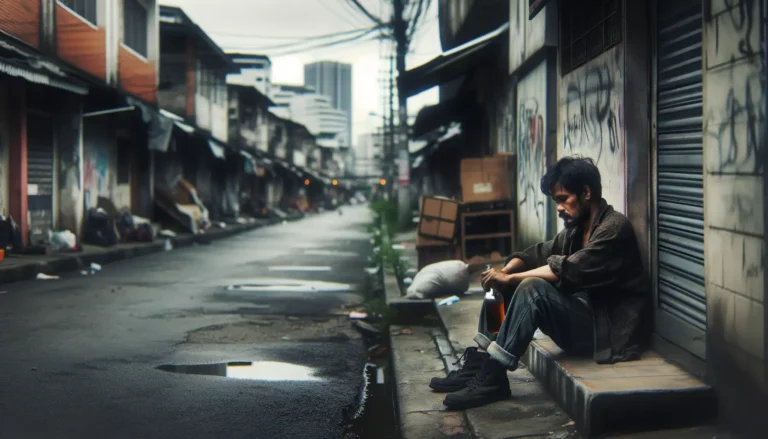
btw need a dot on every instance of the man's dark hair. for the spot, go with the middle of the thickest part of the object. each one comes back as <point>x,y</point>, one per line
<point>573,173</point>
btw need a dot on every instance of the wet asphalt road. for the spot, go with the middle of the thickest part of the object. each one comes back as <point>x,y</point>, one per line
<point>79,354</point>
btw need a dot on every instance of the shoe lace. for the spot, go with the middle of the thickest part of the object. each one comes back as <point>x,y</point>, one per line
<point>478,379</point>
<point>460,362</point>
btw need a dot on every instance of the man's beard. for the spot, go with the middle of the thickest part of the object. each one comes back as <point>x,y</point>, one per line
<point>572,222</point>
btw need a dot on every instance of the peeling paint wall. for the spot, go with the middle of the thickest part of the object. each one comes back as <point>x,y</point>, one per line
<point>526,37</point>
<point>99,162</point>
<point>70,152</point>
<point>5,142</point>
<point>591,120</point>
<point>734,154</point>
<point>531,146</point>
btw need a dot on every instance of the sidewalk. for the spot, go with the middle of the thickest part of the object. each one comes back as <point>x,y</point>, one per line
<point>533,411</point>
<point>17,268</point>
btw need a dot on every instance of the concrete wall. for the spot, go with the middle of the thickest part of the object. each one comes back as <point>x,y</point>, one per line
<point>70,172</point>
<point>534,208</point>
<point>5,143</point>
<point>526,37</point>
<point>734,151</point>
<point>591,120</point>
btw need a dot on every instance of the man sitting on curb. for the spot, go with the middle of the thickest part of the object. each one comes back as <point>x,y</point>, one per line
<point>586,289</point>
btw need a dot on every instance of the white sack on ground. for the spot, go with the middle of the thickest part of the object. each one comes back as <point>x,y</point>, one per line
<point>447,278</point>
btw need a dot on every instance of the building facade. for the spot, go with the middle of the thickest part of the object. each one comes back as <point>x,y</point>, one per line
<point>255,70</point>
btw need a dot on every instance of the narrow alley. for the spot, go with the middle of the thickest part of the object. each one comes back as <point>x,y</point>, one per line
<point>80,354</point>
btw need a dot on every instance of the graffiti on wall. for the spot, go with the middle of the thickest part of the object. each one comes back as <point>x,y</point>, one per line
<point>533,209</point>
<point>591,114</point>
<point>96,172</point>
<point>505,127</point>
<point>735,90</point>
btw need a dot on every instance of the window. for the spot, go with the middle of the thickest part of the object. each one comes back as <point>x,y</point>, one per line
<point>136,26</point>
<point>587,29</point>
<point>83,8</point>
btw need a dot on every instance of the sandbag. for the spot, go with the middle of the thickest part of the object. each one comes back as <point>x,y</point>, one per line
<point>446,278</point>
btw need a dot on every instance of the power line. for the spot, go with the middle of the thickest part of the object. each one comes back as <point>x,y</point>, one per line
<point>334,12</point>
<point>365,11</point>
<point>326,45</point>
<point>296,38</point>
<point>297,44</point>
<point>415,20</point>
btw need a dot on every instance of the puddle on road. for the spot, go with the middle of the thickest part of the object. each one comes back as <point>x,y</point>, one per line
<point>300,268</point>
<point>291,286</point>
<point>247,370</point>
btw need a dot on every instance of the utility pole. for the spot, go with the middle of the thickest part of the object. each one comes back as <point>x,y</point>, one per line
<point>391,151</point>
<point>400,28</point>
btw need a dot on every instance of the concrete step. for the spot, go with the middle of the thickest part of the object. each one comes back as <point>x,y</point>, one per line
<point>648,394</point>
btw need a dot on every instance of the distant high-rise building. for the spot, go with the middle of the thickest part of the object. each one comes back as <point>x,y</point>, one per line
<point>302,104</point>
<point>332,79</point>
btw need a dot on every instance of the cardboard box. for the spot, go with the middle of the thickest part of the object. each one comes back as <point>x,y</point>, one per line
<point>438,219</point>
<point>487,179</point>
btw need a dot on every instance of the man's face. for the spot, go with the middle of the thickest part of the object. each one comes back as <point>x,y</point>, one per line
<point>571,208</point>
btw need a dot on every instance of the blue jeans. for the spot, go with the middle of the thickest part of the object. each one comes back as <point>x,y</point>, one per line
<point>535,303</point>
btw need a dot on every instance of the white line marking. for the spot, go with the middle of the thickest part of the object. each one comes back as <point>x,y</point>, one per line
<point>300,268</point>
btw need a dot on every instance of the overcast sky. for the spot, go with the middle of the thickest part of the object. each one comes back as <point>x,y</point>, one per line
<point>257,26</point>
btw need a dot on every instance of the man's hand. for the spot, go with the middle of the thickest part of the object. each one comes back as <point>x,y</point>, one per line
<point>494,278</point>
<point>515,265</point>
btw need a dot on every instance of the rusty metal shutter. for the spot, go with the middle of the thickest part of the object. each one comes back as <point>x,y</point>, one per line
<point>40,174</point>
<point>680,194</point>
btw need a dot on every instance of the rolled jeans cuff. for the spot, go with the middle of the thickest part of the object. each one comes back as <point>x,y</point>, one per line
<point>499,354</point>
<point>482,340</point>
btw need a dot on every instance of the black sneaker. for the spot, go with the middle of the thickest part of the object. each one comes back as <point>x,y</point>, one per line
<point>489,385</point>
<point>458,379</point>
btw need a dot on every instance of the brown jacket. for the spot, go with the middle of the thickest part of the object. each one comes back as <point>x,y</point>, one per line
<point>609,268</point>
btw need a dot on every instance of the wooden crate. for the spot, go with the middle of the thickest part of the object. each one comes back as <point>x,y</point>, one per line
<point>438,219</point>
<point>500,239</point>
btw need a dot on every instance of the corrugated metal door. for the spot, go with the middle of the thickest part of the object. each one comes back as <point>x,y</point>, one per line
<point>40,174</point>
<point>679,179</point>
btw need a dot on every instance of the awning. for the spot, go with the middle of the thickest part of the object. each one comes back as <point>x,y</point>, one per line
<point>159,127</point>
<point>434,116</point>
<point>251,165</point>
<point>217,150</point>
<point>17,62</point>
<point>450,65</point>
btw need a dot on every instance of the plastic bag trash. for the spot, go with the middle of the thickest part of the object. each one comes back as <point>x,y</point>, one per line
<point>95,267</point>
<point>43,276</point>
<point>373,270</point>
<point>398,247</point>
<point>449,301</point>
<point>64,240</point>
<point>167,233</point>
<point>357,315</point>
<point>447,278</point>
<point>407,281</point>
<point>168,245</point>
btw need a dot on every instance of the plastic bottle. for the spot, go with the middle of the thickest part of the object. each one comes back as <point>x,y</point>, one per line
<point>495,310</point>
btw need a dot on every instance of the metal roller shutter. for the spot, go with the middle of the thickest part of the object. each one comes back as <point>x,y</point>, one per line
<point>40,174</point>
<point>680,197</point>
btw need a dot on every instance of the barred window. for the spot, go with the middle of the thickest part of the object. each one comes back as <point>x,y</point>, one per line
<point>587,29</point>
<point>136,26</point>
<point>84,8</point>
